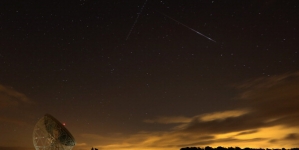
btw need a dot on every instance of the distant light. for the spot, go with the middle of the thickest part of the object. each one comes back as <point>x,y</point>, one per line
<point>63,124</point>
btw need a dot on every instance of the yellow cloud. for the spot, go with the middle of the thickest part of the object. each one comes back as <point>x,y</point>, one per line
<point>223,115</point>
<point>204,117</point>
<point>262,138</point>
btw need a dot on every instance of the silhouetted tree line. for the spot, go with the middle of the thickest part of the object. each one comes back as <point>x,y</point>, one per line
<point>232,148</point>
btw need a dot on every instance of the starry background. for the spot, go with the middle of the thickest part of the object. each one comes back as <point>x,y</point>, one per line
<point>122,75</point>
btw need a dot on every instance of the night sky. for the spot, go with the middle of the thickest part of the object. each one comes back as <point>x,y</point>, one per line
<point>151,74</point>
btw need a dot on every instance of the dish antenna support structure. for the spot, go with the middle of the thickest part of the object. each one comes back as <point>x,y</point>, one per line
<point>50,134</point>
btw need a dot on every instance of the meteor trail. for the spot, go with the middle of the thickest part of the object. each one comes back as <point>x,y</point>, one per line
<point>136,20</point>
<point>187,27</point>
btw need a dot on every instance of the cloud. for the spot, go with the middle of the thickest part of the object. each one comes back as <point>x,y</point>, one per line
<point>273,141</point>
<point>223,115</point>
<point>275,98</point>
<point>231,124</point>
<point>247,132</point>
<point>10,97</point>
<point>13,104</point>
<point>169,120</point>
<point>270,112</point>
<point>271,101</point>
<point>292,136</point>
<point>154,140</point>
<point>204,117</point>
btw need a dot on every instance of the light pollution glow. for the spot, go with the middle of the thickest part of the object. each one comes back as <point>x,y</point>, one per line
<point>274,127</point>
<point>268,120</point>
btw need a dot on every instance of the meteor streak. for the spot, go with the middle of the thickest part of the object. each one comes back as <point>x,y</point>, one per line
<point>136,20</point>
<point>188,27</point>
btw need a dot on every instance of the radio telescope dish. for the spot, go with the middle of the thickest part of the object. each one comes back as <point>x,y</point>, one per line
<point>50,134</point>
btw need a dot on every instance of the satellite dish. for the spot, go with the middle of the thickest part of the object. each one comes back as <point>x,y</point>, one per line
<point>50,134</point>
